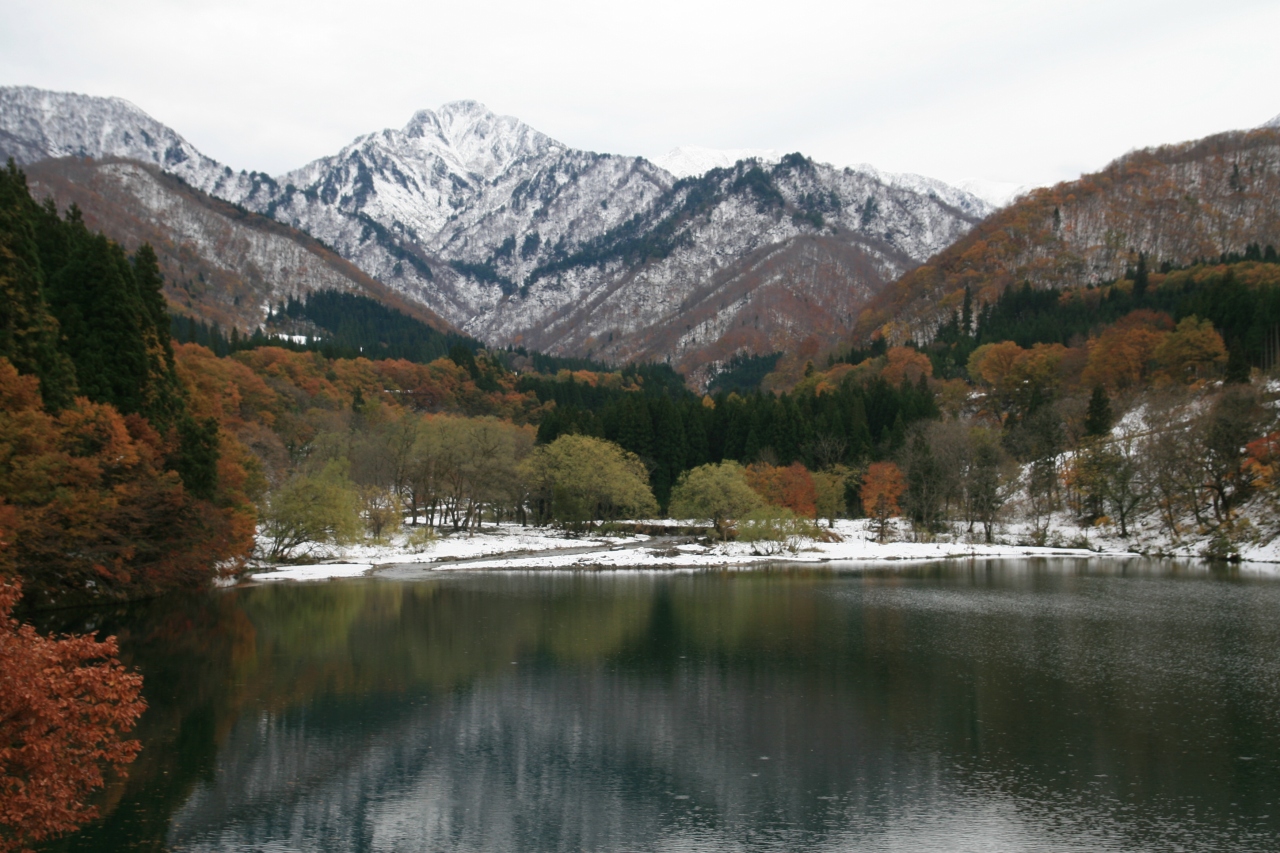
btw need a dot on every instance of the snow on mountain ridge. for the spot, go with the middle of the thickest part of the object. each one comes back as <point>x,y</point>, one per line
<point>688,161</point>
<point>517,238</point>
<point>36,124</point>
<point>996,193</point>
<point>960,198</point>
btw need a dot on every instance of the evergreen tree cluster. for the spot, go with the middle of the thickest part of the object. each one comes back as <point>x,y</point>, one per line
<point>89,321</point>
<point>1244,315</point>
<point>353,325</point>
<point>744,372</point>
<point>543,363</point>
<point>674,432</point>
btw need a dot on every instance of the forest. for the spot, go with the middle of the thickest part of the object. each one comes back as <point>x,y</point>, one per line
<point>145,450</point>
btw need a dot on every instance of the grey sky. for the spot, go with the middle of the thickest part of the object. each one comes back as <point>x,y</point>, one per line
<point>1026,92</point>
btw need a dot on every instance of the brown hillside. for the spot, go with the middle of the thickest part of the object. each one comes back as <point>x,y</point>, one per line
<point>221,263</point>
<point>1176,203</point>
<point>803,293</point>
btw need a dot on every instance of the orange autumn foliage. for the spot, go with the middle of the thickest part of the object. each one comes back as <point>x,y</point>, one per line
<point>1121,356</point>
<point>882,486</point>
<point>906,363</point>
<point>96,515</point>
<point>65,706</point>
<point>1262,461</point>
<point>790,487</point>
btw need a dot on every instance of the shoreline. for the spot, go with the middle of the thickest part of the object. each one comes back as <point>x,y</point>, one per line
<point>507,548</point>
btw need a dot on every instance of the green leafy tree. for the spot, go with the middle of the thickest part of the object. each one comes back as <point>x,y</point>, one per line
<point>312,509</point>
<point>577,480</point>
<point>718,492</point>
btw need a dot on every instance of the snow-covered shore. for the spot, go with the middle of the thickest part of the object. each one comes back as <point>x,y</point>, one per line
<point>512,547</point>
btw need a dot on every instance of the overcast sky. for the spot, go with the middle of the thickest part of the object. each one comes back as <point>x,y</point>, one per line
<point>1025,92</point>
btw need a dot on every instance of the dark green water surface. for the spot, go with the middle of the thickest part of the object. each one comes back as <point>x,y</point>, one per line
<point>1010,706</point>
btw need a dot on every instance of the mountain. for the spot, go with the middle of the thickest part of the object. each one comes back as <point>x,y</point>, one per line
<point>516,238</point>
<point>691,161</point>
<point>455,208</point>
<point>221,263</point>
<point>36,124</point>
<point>1174,204</point>
<point>995,193</point>
<point>519,239</point>
<point>749,258</point>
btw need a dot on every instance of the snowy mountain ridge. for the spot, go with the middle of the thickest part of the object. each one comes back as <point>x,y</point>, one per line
<point>692,161</point>
<point>517,238</point>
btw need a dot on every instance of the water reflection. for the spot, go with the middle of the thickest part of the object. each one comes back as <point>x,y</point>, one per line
<point>985,706</point>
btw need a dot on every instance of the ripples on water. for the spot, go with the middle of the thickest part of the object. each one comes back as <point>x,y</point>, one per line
<point>1006,706</point>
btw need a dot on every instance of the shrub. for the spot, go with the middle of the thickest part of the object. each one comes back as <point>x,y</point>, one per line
<point>775,530</point>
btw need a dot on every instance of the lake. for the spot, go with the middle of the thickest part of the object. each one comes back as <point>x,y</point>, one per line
<point>1050,705</point>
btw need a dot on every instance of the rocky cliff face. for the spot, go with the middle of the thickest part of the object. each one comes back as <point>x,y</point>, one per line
<point>517,238</point>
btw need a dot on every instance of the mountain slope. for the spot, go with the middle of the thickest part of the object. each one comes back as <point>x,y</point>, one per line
<point>1175,204</point>
<point>221,263</point>
<point>516,238</point>
<point>740,258</point>
<point>36,124</point>
<point>486,193</point>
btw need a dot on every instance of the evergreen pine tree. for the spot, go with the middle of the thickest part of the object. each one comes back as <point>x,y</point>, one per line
<point>1098,419</point>
<point>197,458</point>
<point>635,429</point>
<point>1140,277</point>
<point>150,283</point>
<point>1237,363</point>
<point>29,333</point>
<point>859,430</point>
<point>669,448</point>
<point>695,433</point>
<point>102,318</point>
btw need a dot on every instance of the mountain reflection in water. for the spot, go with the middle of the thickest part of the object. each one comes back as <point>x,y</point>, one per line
<point>997,706</point>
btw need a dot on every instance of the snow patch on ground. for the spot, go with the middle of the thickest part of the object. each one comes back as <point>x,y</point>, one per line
<point>318,572</point>
<point>513,547</point>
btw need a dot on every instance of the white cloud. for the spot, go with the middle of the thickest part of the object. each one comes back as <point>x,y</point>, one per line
<point>997,90</point>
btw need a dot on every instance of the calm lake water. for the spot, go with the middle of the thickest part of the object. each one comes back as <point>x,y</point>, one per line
<point>998,706</point>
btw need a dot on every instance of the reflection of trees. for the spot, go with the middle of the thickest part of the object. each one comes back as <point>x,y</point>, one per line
<point>369,714</point>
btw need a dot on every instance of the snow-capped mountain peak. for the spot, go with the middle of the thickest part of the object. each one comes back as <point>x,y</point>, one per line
<point>519,239</point>
<point>688,161</point>
<point>1275,122</point>
<point>995,193</point>
<point>477,140</point>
